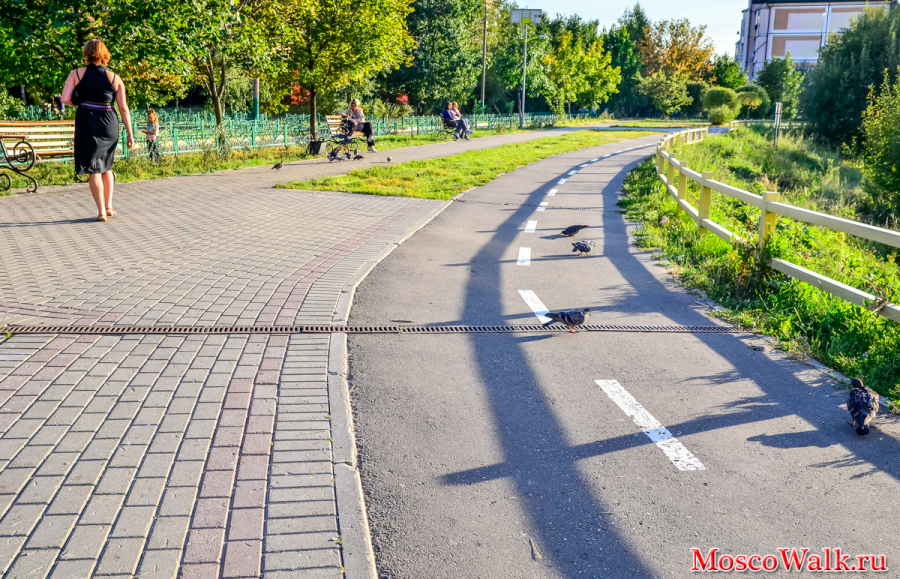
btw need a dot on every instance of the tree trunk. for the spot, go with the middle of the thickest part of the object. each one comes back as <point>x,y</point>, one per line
<point>313,115</point>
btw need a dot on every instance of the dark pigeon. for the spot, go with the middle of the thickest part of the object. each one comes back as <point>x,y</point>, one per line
<point>278,166</point>
<point>583,247</point>
<point>862,403</point>
<point>358,157</point>
<point>571,318</point>
<point>572,230</point>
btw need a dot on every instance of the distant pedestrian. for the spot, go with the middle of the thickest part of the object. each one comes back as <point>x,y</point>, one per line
<point>94,89</point>
<point>152,131</point>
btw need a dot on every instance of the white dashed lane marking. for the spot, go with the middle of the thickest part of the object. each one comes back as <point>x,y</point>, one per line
<point>536,305</point>
<point>552,192</point>
<point>543,206</point>
<point>595,160</point>
<point>524,256</point>
<point>572,172</point>
<point>583,166</point>
<point>561,181</point>
<point>530,226</point>
<point>671,447</point>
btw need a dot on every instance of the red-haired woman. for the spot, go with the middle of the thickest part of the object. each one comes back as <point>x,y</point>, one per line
<point>93,89</point>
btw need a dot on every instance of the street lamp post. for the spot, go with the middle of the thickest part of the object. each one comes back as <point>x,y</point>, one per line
<point>525,16</point>
<point>484,53</point>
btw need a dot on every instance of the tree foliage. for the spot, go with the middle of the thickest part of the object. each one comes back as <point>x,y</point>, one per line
<point>696,90</point>
<point>837,89</point>
<point>624,56</point>
<point>678,49</point>
<point>635,22</point>
<point>881,138</point>
<point>571,71</point>
<point>668,93</point>
<point>726,72</point>
<point>757,103</point>
<point>782,82</point>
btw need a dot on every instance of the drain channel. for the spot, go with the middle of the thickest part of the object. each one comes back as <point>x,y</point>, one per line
<point>537,205</point>
<point>510,329</point>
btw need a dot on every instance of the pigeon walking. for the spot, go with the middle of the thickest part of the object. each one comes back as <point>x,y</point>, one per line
<point>357,157</point>
<point>571,318</point>
<point>583,247</point>
<point>572,230</point>
<point>277,166</point>
<point>862,403</point>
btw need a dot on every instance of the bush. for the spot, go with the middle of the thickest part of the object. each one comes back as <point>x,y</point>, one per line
<point>752,98</point>
<point>720,115</point>
<point>11,108</point>
<point>837,88</point>
<point>718,96</point>
<point>881,138</point>
<point>765,104</point>
<point>695,90</point>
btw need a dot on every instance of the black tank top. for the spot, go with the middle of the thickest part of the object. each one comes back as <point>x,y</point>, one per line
<point>94,89</point>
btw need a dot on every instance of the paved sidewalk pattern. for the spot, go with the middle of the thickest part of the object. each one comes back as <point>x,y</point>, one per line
<point>180,456</point>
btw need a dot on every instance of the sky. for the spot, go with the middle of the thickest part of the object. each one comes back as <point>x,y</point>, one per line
<point>721,17</point>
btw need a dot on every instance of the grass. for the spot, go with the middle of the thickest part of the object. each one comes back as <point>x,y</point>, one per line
<point>141,168</point>
<point>444,177</point>
<point>665,123</point>
<point>806,320</point>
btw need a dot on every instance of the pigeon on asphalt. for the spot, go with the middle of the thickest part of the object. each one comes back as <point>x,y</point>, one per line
<point>389,159</point>
<point>571,318</point>
<point>583,247</point>
<point>358,157</point>
<point>862,403</point>
<point>277,166</point>
<point>573,230</point>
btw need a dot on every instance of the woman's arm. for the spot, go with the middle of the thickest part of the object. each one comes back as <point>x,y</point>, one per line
<point>68,89</point>
<point>123,110</point>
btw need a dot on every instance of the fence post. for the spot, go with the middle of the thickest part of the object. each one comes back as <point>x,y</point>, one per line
<point>124,140</point>
<point>682,181</point>
<point>253,135</point>
<point>705,202</point>
<point>175,139</point>
<point>659,159</point>
<point>284,134</point>
<point>670,175</point>
<point>767,219</point>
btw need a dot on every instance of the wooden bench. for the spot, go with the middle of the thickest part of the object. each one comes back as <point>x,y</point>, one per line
<point>336,127</point>
<point>48,138</point>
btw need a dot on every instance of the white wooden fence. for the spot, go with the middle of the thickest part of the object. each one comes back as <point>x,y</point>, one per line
<point>770,207</point>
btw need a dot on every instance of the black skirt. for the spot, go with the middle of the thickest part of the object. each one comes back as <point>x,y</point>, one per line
<point>96,138</point>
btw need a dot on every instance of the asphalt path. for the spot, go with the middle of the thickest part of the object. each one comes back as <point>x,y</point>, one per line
<point>502,456</point>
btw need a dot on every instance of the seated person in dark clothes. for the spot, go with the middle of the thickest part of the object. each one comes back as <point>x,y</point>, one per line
<point>451,119</point>
<point>356,121</point>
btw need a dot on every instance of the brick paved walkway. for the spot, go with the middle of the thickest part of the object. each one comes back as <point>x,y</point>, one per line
<point>184,456</point>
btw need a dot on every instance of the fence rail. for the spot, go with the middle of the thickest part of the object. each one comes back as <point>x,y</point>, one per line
<point>770,207</point>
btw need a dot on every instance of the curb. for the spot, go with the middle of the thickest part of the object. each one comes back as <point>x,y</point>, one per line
<point>353,523</point>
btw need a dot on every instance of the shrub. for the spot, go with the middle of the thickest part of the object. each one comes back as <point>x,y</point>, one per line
<point>765,104</point>
<point>752,97</point>
<point>720,115</point>
<point>718,96</point>
<point>782,82</point>
<point>668,92</point>
<point>11,108</point>
<point>881,167</point>
<point>695,90</point>
<point>837,88</point>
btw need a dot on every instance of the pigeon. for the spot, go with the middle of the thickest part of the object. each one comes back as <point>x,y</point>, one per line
<point>358,157</point>
<point>389,159</point>
<point>277,166</point>
<point>571,318</point>
<point>583,247</point>
<point>862,403</point>
<point>572,230</point>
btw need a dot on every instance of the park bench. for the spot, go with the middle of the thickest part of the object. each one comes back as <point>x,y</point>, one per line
<point>25,142</point>
<point>341,143</point>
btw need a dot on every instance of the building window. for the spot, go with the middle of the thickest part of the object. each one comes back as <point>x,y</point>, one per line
<point>799,19</point>
<point>842,17</point>
<point>801,47</point>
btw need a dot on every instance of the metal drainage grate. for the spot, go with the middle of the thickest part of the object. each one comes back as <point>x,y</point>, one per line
<point>512,329</point>
<point>536,205</point>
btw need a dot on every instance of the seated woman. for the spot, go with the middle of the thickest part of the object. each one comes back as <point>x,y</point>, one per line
<point>459,118</point>
<point>356,121</point>
<point>451,121</point>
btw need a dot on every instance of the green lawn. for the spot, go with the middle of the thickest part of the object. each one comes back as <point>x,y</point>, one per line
<point>445,177</point>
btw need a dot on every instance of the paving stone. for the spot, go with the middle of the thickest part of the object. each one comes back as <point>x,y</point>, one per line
<point>134,522</point>
<point>102,510</point>
<point>120,557</point>
<point>9,549</point>
<point>168,533</point>
<point>33,564</point>
<point>73,569</point>
<point>70,500</point>
<point>86,542</point>
<point>40,490</point>
<point>51,532</point>
<point>160,564</point>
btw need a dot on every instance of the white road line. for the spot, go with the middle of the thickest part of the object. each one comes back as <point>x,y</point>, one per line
<point>536,305</point>
<point>617,153</point>
<point>605,156</point>
<point>572,172</point>
<point>530,226</point>
<point>561,181</point>
<point>595,160</point>
<point>552,192</point>
<point>543,206</point>
<point>524,256</point>
<point>583,166</point>
<point>671,447</point>
<point>631,149</point>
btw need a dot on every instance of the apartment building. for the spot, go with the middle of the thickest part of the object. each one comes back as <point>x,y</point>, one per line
<point>778,27</point>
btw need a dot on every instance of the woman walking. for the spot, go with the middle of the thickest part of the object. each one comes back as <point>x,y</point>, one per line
<point>93,89</point>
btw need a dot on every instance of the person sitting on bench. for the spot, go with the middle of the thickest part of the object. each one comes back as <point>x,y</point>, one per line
<point>356,121</point>
<point>454,107</point>
<point>451,120</point>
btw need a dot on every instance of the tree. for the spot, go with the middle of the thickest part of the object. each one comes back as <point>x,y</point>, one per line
<point>446,57</point>
<point>330,47</point>
<point>601,78</point>
<point>678,49</point>
<point>722,105</point>
<point>837,88</point>
<point>635,22</point>
<point>726,71</point>
<point>508,60</point>
<point>782,82</point>
<point>624,56</point>
<point>761,108</point>
<point>570,71</point>
<point>881,138</point>
<point>668,93</point>
<point>696,90</point>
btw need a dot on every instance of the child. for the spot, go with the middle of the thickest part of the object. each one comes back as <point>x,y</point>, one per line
<point>152,131</point>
